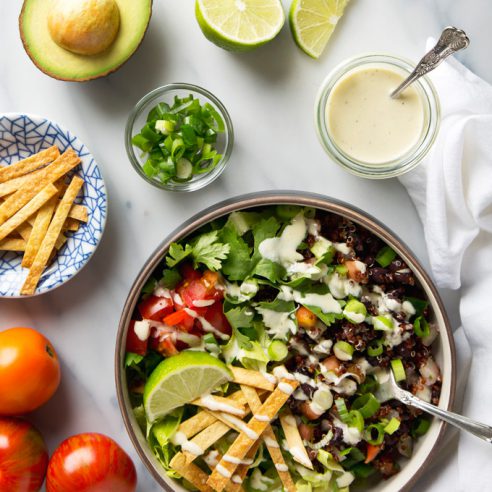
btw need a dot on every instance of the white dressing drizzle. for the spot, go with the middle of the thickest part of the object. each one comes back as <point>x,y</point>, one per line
<point>208,401</point>
<point>242,426</point>
<point>179,439</point>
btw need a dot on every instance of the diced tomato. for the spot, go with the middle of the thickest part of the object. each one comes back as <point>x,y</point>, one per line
<point>155,308</point>
<point>180,319</point>
<point>167,348</point>
<point>133,343</point>
<point>216,317</point>
<point>191,292</point>
<point>188,272</point>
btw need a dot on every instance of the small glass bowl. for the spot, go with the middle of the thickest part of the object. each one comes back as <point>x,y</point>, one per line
<point>166,93</point>
<point>406,161</point>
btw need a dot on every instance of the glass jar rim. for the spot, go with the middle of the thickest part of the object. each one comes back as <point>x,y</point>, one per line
<point>400,165</point>
<point>205,178</point>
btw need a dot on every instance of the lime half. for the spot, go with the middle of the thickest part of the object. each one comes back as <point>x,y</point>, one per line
<point>180,379</point>
<point>313,21</point>
<point>240,25</point>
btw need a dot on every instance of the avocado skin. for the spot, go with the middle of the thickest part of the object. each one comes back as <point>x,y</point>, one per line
<point>94,76</point>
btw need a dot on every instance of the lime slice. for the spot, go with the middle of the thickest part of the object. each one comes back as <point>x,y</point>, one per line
<point>313,21</point>
<point>180,379</point>
<point>240,25</point>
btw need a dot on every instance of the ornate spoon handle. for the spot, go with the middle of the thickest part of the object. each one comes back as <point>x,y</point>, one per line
<point>479,429</point>
<point>451,41</point>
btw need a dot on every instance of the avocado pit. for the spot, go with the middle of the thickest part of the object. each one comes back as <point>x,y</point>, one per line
<point>84,27</point>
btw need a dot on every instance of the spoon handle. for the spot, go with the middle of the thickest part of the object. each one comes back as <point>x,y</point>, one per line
<point>451,41</point>
<point>483,431</point>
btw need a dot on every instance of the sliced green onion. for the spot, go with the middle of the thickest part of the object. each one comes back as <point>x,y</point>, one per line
<point>385,256</point>
<point>375,348</point>
<point>374,434</point>
<point>341,269</point>
<point>419,304</point>
<point>356,420</point>
<point>367,405</point>
<point>370,385</point>
<point>363,470</point>
<point>383,322</point>
<point>392,426</point>
<point>398,370</point>
<point>343,350</point>
<point>342,410</point>
<point>165,126</point>
<point>185,130</point>
<point>277,351</point>
<point>420,427</point>
<point>421,327</point>
<point>184,169</point>
<point>355,311</point>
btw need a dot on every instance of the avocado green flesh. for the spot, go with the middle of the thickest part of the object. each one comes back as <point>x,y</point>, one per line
<point>65,65</point>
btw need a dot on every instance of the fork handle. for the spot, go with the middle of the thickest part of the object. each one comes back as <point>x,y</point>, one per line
<point>478,429</point>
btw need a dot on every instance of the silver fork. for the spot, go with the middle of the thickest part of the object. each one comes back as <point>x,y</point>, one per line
<point>389,389</point>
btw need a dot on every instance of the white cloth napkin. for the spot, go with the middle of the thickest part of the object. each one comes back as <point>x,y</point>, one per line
<point>452,191</point>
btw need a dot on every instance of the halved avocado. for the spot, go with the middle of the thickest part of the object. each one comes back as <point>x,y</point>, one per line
<point>62,64</point>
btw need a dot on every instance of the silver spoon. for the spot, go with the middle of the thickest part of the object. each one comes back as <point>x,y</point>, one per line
<point>451,41</point>
<point>389,389</point>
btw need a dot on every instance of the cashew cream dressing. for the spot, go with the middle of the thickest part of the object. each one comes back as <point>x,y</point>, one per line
<point>366,123</point>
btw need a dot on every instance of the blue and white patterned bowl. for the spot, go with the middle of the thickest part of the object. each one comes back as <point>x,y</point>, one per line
<point>22,135</point>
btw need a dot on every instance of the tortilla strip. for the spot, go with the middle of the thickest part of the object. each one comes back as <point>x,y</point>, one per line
<point>12,244</point>
<point>39,228</point>
<point>27,210</point>
<point>270,440</point>
<point>244,443</point>
<point>196,424</point>
<point>60,241</point>
<point>294,440</point>
<point>27,191</point>
<point>10,187</point>
<point>227,405</point>
<point>251,378</point>
<point>79,212</point>
<point>71,225</point>
<point>190,472</point>
<point>32,163</point>
<point>51,236</point>
<point>207,437</point>
<point>242,471</point>
<point>204,418</point>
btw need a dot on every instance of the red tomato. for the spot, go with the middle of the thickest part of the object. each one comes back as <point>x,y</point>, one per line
<point>216,317</point>
<point>155,308</point>
<point>29,371</point>
<point>133,343</point>
<point>23,456</point>
<point>90,463</point>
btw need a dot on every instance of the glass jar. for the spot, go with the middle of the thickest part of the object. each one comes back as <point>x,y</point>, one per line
<point>413,155</point>
<point>138,118</point>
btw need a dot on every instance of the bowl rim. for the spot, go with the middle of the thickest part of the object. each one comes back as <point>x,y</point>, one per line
<point>268,198</point>
<point>71,137</point>
<point>161,91</point>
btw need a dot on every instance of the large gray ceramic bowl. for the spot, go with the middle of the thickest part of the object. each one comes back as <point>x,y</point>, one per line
<point>443,348</point>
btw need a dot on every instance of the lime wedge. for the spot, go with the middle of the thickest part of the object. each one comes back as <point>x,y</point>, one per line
<point>313,21</point>
<point>180,379</point>
<point>240,25</point>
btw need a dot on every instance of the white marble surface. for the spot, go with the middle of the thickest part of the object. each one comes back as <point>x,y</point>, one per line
<point>270,95</point>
